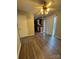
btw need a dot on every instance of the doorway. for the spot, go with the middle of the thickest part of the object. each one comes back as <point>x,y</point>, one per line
<point>38,25</point>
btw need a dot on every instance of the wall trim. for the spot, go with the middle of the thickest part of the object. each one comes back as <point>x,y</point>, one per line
<point>19,51</point>
<point>26,36</point>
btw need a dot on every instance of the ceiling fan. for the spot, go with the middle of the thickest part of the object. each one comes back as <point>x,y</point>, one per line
<point>45,8</point>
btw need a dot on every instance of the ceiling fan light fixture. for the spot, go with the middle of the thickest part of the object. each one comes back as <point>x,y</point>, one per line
<point>48,9</point>
<point>46,12</point>
<point>41,10</point>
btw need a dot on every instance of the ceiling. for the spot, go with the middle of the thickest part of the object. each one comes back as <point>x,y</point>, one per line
<point>29,5</point>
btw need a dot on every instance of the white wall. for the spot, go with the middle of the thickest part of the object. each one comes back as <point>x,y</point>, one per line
<point>30,24</point>
<point>22,25</point>
<point>25,24</point>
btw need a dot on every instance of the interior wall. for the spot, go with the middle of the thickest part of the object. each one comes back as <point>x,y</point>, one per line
<point>25,24</point>
<point>30,22</point>
<point>58,25</point>
<point>22,25</point>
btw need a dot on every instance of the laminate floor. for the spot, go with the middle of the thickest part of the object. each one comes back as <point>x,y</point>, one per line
<point>40,46</point>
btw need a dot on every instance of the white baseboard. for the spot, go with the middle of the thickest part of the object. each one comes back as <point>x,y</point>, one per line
<point>19,51</point>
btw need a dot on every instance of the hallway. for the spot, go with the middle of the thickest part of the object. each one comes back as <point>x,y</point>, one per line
<point>40,46</point>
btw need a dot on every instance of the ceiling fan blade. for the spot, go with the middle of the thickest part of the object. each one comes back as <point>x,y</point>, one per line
<point>49,4</point>
<point>40,7</point>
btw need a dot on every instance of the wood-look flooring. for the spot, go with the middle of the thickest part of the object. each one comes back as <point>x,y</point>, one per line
<point>40,46</point>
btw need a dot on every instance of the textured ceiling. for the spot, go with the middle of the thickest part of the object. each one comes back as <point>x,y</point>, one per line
<point>29,5</point>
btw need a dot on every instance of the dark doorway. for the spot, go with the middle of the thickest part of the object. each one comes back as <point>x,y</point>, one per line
<point>38,25</point>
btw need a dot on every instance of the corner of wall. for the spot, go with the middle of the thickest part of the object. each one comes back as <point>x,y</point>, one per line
<point>19,51</point>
